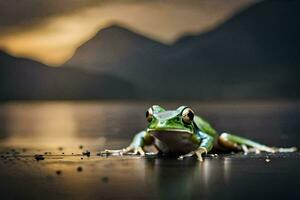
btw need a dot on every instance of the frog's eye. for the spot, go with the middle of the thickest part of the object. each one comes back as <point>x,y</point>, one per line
<point>187,115</point>
<point>149,114</point>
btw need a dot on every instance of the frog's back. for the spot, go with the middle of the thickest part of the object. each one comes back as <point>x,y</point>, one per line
<point>204,126</point>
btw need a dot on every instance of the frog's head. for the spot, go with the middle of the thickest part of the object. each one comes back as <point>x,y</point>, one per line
<point>177,121</point>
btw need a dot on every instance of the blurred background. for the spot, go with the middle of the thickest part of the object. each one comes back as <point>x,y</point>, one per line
<point>82,74</point>
<point>141,50</point>
<point>230,57</point>
<point>89,69</point>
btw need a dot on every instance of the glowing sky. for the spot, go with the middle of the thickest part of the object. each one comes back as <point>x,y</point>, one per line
<point>53,37</point>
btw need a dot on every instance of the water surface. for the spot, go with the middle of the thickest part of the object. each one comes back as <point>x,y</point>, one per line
<point>58,129</point>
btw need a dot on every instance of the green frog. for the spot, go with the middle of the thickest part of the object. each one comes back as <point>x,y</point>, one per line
<point>182,133</point>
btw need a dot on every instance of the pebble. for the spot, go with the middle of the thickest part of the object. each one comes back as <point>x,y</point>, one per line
<point>105,179</point>
<point>39,157</point>
<point>86,153</point>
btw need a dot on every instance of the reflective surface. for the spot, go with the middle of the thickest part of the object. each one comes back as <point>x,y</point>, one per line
<point>61,131</point>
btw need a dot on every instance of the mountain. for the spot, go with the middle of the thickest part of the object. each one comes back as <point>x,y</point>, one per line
<point>255,54</point>
<point>115,46</point>
<point>26,79</point>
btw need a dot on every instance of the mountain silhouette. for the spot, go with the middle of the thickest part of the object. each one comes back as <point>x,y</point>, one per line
<point>255,54</point>
<point>26,79</point>
<point>115,46</point>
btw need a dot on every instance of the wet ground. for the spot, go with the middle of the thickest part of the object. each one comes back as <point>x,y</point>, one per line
<point>42,145</point>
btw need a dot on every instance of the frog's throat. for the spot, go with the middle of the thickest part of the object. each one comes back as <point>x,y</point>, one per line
<point>149,130</point>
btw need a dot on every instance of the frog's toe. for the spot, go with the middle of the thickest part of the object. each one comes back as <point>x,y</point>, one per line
<point>245,149</point>
<point>287,150</point>
<point>281,150</point>
<point>110,152</point>
<point>199,152</point>
<point>141,151</point>
<point>126,150</point>
<point>186,155</point>
<point>138,151</point>
<point>272,149</point>
<point>133,151</point>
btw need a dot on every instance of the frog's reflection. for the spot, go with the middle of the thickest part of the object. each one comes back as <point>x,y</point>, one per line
<point>185,179</point>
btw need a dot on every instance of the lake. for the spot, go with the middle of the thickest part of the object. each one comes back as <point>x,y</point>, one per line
<point>62,130</point>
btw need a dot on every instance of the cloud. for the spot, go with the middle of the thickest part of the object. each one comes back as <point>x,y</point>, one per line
<point>18,12</point>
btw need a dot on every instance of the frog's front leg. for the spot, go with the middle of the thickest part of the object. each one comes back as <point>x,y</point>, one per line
<point>206,144</point>
<point>136,147</point>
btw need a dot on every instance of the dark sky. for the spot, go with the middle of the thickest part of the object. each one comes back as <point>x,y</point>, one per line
<point>18,12</point>
<point>50,31</point>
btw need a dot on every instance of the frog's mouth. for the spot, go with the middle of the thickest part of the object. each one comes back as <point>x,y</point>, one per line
<point>169,130</point>
<point>170,134</point>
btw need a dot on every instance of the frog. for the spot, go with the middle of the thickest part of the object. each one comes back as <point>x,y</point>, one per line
<point>181,133</point>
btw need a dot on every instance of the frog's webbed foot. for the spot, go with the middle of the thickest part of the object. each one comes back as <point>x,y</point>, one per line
<point>186,155</point>
<point>268,149</point>
<point>198,153</point>
<point>133,151</point>
<point>110,152</point>
<point>247,150</point>
<point>126,151</point>
<point>286,150</point>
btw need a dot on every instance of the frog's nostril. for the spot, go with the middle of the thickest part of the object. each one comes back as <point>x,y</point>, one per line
<point>162,123</point>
